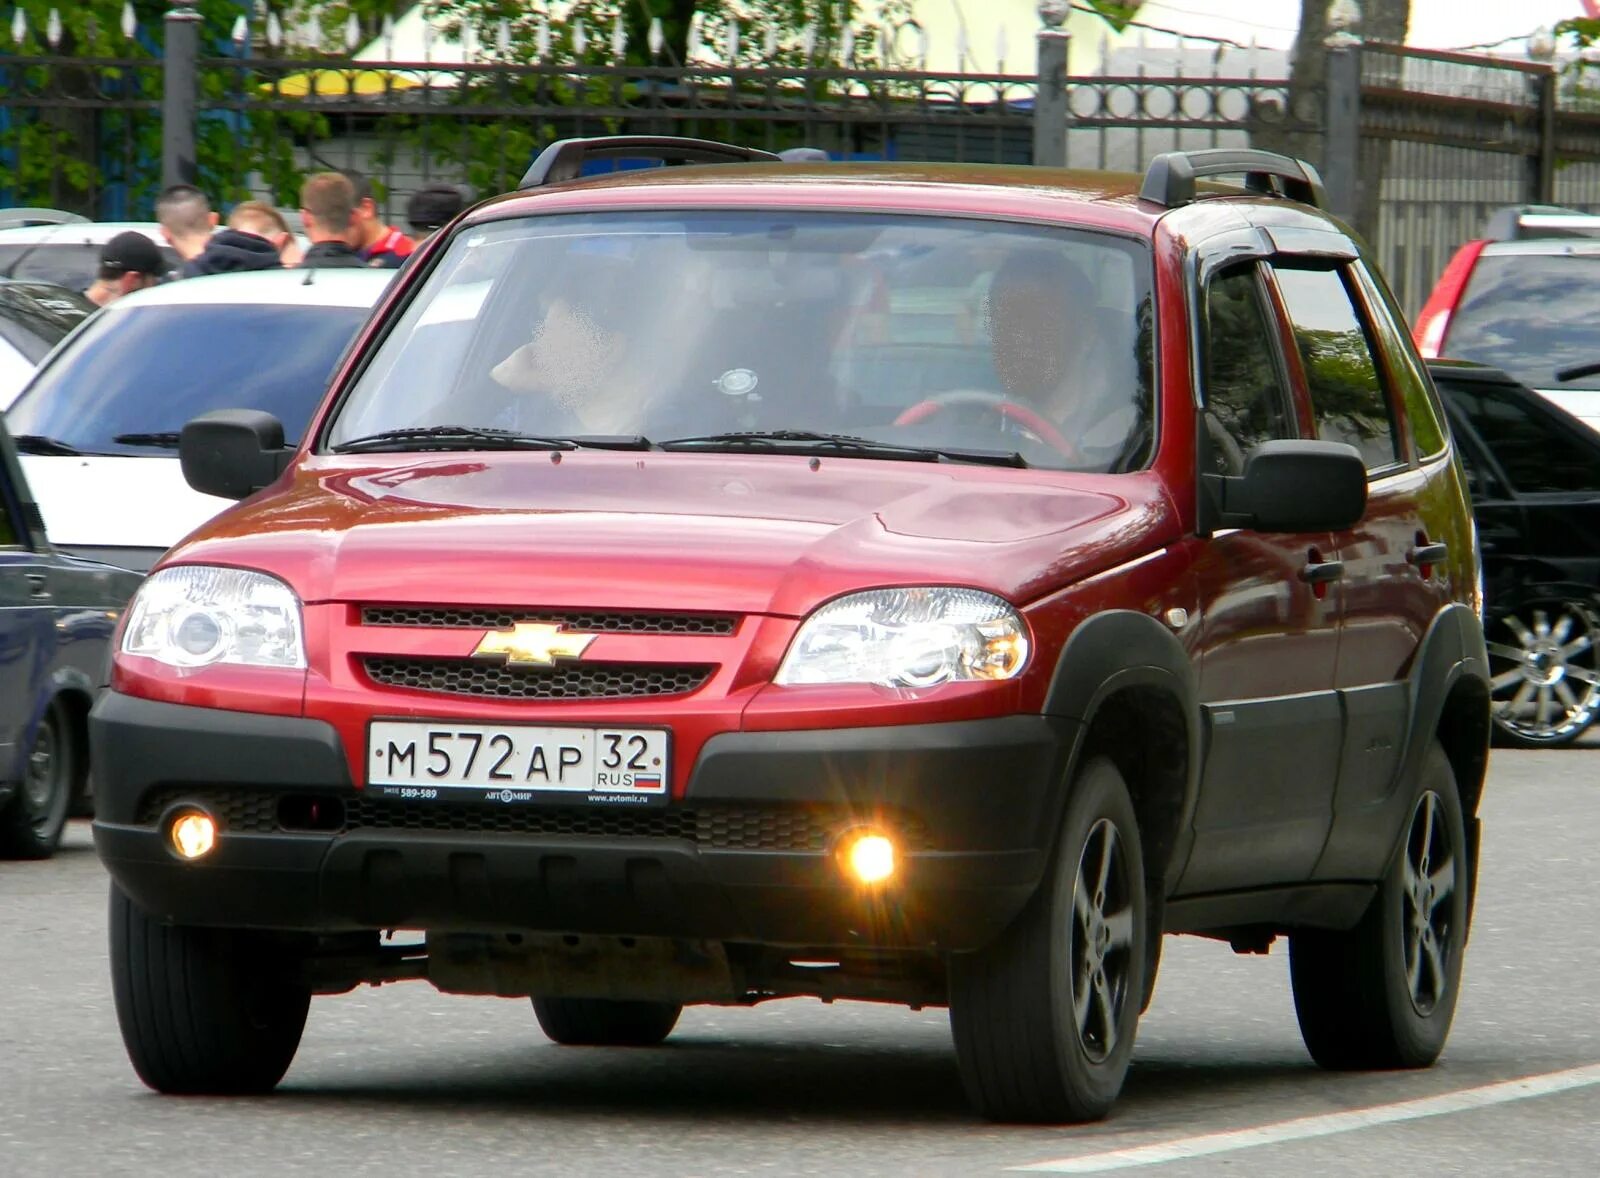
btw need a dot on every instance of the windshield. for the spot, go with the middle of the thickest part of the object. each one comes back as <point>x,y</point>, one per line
<point>147,370</point>
<point>917,331</point>
<point>1531,315</point>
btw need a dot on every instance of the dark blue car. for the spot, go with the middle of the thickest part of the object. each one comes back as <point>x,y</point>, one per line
<point>57,615</point>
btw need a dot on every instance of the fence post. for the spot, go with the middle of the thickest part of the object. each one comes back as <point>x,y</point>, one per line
<point>1544,164</point>
<point>1050,99</point>
<point>1341,131</point>
<point>178,94</point>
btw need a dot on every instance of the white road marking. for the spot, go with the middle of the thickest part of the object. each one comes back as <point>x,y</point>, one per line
<point>1325,1125</point>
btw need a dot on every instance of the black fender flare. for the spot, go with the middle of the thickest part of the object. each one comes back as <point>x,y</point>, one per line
<point>1453,649</point>
<point>1118,649</point>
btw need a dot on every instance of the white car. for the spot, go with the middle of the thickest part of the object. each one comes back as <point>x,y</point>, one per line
<point>69,254</point>
<point>98,426</point>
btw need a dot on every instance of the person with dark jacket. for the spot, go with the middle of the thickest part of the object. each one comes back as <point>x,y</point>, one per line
<point>230,251</point>
<point>327,206</point>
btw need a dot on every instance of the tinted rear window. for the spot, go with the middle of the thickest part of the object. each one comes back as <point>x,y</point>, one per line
<point>1531,314</point>
<point>150,369</point>
<point>33,319</point>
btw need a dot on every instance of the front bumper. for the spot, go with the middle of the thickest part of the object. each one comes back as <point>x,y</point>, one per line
<point>744,856</point>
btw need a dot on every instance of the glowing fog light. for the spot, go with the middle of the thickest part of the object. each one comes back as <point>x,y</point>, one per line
<point>868,857</point>
<point>193,834</point>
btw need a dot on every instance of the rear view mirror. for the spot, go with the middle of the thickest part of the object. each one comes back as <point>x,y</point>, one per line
<point>1293,486</point>
<point>232,453</point>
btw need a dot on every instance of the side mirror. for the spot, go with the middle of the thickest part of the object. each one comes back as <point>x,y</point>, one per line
<point>232,453</point>
<point>1293,486</point>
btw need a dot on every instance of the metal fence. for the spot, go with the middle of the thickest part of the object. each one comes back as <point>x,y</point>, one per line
<point>1417,147</point>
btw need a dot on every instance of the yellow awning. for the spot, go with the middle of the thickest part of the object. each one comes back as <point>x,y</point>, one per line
<point>340,83</point>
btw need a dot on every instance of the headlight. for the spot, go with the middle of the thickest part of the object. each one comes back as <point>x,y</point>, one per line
<point>908,638</point>
<point>195,615</point>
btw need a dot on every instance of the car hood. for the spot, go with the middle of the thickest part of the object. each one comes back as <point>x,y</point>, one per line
<point>752,534</point>
<point>112,501</point>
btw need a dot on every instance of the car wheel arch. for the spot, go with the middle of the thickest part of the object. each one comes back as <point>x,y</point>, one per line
<point>1132,688</point>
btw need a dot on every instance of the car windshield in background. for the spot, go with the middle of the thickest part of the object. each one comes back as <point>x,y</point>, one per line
<point>72,264</point>
<point>933,335</point>
<point>144,371</point>
<point>1531,315</point>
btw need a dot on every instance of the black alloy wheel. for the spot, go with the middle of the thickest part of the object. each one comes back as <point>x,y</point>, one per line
<point>1044,1018</point>
<point>1382,995</point>
<point>31,826</point>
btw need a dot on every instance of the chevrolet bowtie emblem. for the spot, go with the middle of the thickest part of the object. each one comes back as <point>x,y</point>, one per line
<point>533,644</point>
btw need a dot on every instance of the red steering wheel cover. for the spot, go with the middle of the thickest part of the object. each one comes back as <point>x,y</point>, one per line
<point>1029,419</point>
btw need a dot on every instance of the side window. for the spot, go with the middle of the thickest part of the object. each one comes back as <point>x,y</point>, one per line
<point>1536,455</point>
<point>1347,397</point>
<point>1246,398</point>
<point>1416,392</point>
<point>1482,483</point>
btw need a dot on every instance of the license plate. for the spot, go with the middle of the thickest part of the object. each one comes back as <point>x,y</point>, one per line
<point>510,764</point>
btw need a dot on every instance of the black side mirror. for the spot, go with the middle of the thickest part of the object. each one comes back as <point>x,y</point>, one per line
<point>1292,486</point>
<point>232,452</point>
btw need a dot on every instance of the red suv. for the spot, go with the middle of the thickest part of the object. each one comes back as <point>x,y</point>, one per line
<point>725,582</point>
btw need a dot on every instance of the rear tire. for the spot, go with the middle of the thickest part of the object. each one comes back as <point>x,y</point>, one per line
<point>1044,1018</point>
<point>203,1011</point>
<point>31,825</point>
<point>1382,995</point>
<point>599,1022</point>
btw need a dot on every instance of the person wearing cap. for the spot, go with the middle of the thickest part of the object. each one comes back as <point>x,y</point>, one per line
<point>130,261</point>
<point>433,207</point>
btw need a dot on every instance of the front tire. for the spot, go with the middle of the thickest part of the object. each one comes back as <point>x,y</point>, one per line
<point>31,826</point>
<point>1382,995</point>
<point>1044,1018</point>
<point>203,1011</point>
<point>599,1022</point>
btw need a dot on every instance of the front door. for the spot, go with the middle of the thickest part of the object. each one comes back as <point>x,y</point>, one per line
<point>1269,625</point>
<point>25,621</point>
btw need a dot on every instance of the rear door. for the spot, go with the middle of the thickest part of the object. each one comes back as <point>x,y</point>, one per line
<point>25,623</point>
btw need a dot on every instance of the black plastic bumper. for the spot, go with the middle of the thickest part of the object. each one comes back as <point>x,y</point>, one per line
<point>980,794</point>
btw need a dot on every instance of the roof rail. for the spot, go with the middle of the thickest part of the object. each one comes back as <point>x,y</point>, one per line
<point>1170,178</point>
<point>564,159</point>
<point>1520,222</point>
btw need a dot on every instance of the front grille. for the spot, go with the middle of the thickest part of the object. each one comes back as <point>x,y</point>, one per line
<point>589,621</point>
<point>486,680</point>
<point>733,827</point>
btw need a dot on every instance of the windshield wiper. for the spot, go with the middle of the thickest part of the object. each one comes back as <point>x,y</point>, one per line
<point>451,437</point>
<point>1578,371</point>
<point>801,441</point>
<point>39,444</point>
<point>167,440</point>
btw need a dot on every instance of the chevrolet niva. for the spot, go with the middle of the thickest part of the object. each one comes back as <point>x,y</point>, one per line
<point>915,583</point>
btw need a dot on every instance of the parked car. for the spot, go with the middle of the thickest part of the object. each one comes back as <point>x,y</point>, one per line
<point>57,615</point>
<point>68,254</point>
<point>98,427</point>
<point>13,217</point>
<point>1525,298</point>
<point>34,317</point>
<point>722,583</point>
<point>1534,475</point>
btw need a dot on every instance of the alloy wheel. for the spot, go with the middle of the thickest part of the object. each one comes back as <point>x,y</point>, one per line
<point>1427,896</point>
<point>1545,670</point>
<point>1102,940</point>
<point>41,778</point>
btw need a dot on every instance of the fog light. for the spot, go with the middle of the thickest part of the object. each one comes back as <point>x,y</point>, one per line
<point>868,857</point>
<point>193,834</point>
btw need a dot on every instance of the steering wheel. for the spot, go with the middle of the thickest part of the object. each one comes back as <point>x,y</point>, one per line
<point>1008,411</point>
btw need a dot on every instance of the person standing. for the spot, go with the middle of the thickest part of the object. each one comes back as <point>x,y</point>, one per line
<point>260,218</point>
<point>432,207</point>
<point>380,245</point>
<point>187,221</point>
<point>327,205</point>
<point>128,262</point>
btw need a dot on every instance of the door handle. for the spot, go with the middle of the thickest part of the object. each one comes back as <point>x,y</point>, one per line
<point>38,584</point>
<point>1425,554</point>
<point>1320,572</point>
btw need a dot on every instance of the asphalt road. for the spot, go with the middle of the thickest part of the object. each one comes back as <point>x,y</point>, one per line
<point>402,1080</point>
